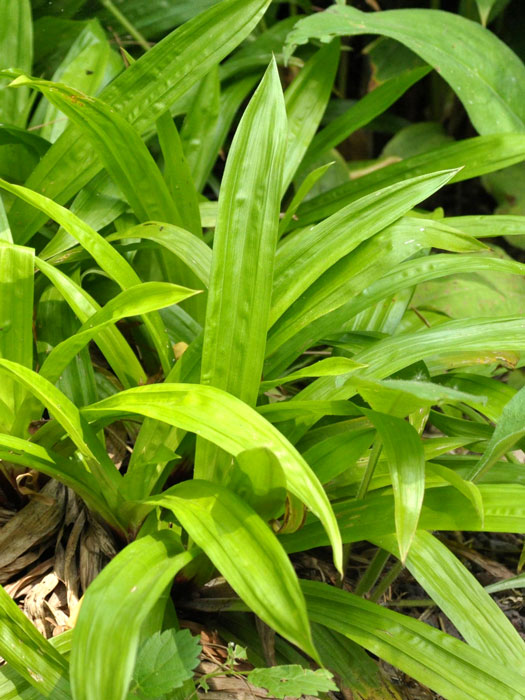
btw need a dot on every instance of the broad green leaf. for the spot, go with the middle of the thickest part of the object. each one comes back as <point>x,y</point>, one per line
<point>496,392</point>
<point>55,321</point>
<point>142,93</point>
<point>300,260</point>
<point>445,664</point>
<point>330,367</point>
<point>495,294</point>
<point>374,271</point>
<point>199,125</point>
<point>488,226</point>
<point>393,354</point>
<point>138,300</point>
<point>476,156</point>
<point>400,397</point>
<point>112,344</point>
<point>177,174</point>
<point>259,480</point>
<point>16,51</point>
<point>444,508</point>
<point>69,472</point>
<point>68,416</point>
<point>113,610</point>
<point>5,229</point>
<point>243,256</point>
<point>16,324</point>
<point>98,204</point>
<point>473,612</point>
<point>88,63</point>
<point>232,96</point>
<point>232,425</point>
<point>292,681</point>
<point>303,189</point>
<point>30,654</point>
<point>338,453</point>
<point>355,669</point>
<point>362,112</point>
<point>406,461</point>
<point>245,551</point>
<point>467,488</point>
<point>485,74</point>
<point>195,254</point>
<point>119,147</point>
<point>306,101</point>
<point>103,253</point>
<point>509,430</point>
<point>165,661</point>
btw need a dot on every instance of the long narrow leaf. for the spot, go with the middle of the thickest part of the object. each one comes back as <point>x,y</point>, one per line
<point>245,551</point>
<point>232,425</point>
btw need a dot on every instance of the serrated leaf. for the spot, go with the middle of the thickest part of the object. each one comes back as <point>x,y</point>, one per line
<point>165,661</point>
<point>292,681</point>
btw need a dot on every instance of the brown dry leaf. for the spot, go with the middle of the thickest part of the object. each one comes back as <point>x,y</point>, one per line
<point>116,443</point>
<point>492,567</point>
<point>32,526</point>
<point>22,586</point>
<point>35,602</point>
<point>96,549</point>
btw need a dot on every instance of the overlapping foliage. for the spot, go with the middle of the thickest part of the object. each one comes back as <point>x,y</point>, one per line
<point>327,395</point>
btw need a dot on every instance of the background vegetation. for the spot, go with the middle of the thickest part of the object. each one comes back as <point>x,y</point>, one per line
<point>261,335</point>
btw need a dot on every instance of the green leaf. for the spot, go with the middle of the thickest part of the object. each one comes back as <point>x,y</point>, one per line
<point>485,74</point>
<point>16,325</point>
<point>259,480</point>
<point>484,9</point>
<point>186,246</point>
<point>292,681</point>
<point>88,64</point>
<point>232,425</point>
<point>16,50</point>
<point>362,112</point>
<point>330,367</point>
<point>467,488</point>
<point>68,416</point>
<point>305,187</point>
<point>406,461</point>
<point>444,508</point>
<point>70,472</point>
<point>468,606</point>
<point>306,101</point>
<point>113,610</point>
<point>476,156</point>
<point>177,174</point>
<point>111,342</point>
<point>103,253</point>
<point>199,125</point>
<point>509,430</point>
<point>165,661</point>
<point>159,78</point>
<point>374,271</point>
<point>445,664</point>
<point>355,669</point>
<point>5,229</point>
<point>29,653</point>
<point>246,552</point>
<point>118,145</point>
<point>243,256</point>
<point>55,322</point>
<point>301,259</point>
<point>138,300</point>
